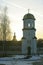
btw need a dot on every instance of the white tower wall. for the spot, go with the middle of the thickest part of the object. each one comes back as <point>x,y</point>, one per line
<point>28,34</point>
<point>24,46</point>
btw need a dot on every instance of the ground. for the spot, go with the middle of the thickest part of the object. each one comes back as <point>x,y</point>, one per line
<point>18,60</point>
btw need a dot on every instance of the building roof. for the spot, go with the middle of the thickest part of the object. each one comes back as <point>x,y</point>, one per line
<point>28,16</point>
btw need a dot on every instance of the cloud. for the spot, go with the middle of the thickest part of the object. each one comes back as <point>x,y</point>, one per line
<point>9,3</point>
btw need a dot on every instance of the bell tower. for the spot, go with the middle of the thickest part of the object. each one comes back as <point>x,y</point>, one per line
<point>29,40</point>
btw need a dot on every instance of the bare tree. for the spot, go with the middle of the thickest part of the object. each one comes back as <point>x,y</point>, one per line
<point>5,33</point>
<point>5,29</point>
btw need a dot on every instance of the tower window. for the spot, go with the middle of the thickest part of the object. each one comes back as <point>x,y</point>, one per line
<point>28,25</point>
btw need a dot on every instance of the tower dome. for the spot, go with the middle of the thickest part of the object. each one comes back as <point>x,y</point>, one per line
<point>28,16</point>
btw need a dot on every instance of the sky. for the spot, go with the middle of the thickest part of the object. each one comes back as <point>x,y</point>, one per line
<point>17,9</point>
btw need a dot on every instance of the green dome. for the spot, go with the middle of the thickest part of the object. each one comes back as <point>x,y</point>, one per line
<point>28,16</point>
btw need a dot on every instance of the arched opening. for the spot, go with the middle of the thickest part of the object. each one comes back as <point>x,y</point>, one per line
<point>29,51</point>
<point>28,24</point>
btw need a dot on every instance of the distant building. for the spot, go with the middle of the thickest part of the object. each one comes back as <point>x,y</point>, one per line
<point>10,48</point>
<point>29,40</point>
<point>14,37</point>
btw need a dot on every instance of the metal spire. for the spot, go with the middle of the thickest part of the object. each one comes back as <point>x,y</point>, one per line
<point>28,10</point>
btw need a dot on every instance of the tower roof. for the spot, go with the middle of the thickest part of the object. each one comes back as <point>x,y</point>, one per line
<point>28,16</point>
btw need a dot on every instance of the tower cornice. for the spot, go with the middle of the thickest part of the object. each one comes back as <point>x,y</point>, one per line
<point>23,38</point>
<point>35,37</point>
<point>29,29</point>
